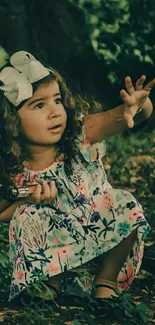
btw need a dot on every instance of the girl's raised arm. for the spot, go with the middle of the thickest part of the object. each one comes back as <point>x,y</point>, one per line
<point>102,125</point>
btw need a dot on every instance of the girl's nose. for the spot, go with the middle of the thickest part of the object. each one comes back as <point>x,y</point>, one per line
<point>53,115</point>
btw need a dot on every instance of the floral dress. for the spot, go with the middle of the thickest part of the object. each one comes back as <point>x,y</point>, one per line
<point>87,219</point>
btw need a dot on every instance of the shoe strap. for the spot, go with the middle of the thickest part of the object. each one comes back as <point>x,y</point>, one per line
<point>106,286</point>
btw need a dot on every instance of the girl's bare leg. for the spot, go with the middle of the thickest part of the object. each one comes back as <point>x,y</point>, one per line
<point>110,265</point>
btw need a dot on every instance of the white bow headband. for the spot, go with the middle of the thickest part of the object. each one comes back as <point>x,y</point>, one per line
<point>18,79</point>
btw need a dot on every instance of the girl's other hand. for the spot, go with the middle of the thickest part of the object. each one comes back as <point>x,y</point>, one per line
<point>42,193</point>
<point>135,98</point>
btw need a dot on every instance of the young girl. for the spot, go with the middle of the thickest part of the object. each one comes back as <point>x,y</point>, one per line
<point>73,215</point>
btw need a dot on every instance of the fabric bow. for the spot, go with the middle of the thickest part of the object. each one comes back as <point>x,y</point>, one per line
<point>17,80</point>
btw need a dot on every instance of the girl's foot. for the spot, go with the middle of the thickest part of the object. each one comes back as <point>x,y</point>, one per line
<point>105,290</point>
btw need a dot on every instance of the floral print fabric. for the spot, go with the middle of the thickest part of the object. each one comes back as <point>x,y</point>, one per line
<point>87,219</point>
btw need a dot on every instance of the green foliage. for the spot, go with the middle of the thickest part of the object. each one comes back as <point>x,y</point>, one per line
<point>4,260</point>
<point>123,308</point>
<point>121,33</point>
<point>76,322</point>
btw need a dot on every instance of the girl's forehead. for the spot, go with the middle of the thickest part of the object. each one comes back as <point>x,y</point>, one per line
<point>43,91</point>
<point>51,88</point>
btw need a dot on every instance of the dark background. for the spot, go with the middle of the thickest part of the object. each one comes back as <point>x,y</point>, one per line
<point>93,44</point>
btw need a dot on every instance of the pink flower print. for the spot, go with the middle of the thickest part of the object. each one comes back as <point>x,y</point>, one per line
<point>56,240</point>
<point>19,179</point>
<point>140,254</point>
<point>53,267</point>
<point>108,201</point>
<point>19,275</point>
<point>32,178</point>
<point>136,214</point>
<point>63,251</point>
<point>94,206</point>
<point>85,143</point>
<point>18,260</point>
<point>127,278</point>
<point>11,233</point>
<point>82,219</point>
<point>81,188</point>
<point>21,211</point>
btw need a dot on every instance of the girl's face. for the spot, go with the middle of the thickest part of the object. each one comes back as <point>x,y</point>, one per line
<point>43,116</point>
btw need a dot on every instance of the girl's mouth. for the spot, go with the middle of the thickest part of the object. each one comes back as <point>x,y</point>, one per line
<point>55,128</point>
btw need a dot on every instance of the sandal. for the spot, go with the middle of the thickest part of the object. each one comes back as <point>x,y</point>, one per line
<point>109,290</point>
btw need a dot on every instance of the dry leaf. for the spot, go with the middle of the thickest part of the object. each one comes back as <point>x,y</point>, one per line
<point>1,317</point>
<point>131,190</point>
<point>107,167</point>
<point>134,179</point>
<point>150,243</point>
<point>142,159</point>
<point>143,275</point>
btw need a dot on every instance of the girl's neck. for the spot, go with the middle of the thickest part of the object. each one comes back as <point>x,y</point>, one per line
<point>41,160</point>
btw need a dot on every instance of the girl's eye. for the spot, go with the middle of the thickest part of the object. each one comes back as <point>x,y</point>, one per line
<point>39,106</point>
<point>58,101</point>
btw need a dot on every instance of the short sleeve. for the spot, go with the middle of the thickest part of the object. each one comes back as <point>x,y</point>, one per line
<point>85,148</point>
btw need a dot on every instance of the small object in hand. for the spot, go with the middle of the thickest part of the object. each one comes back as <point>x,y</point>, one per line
<point>22,191</point>
<point>14,192</point>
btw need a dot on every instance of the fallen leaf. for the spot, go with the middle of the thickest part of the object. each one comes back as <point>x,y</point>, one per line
<point>1,317</point>
<point>150,243</point>
<point>142,159</point>
<point>131,190</point>
<point>142,275</point>
<point>107,167</point>
<point>134,179</point>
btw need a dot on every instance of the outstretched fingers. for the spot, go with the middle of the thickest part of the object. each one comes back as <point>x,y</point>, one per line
<point>140,82</point>
<point>149,85</point>
<point>129,85</point>
<point>126,97</point>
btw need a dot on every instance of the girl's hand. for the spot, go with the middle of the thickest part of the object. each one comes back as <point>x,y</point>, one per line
<point>135,98</point>
<point>42,193</point>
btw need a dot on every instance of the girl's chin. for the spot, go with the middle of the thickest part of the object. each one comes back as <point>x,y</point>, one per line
<point>50,140</point>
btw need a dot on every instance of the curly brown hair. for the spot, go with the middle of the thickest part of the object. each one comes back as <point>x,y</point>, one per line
<point>12,152</point>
